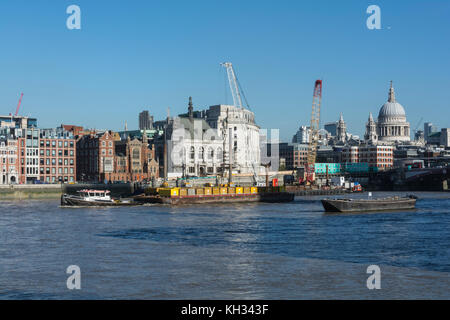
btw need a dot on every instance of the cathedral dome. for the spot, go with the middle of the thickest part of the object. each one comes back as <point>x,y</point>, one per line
<point>392,109</point>
<point>392,125</point>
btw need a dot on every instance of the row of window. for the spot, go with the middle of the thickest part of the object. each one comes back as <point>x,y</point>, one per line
<point>60,143</point>
<point>55,179</point>
<point>94,143</point>
<point>201,153</point>
<point>11,160</point>
<point>53,170</point>
<point>53,162</point>
<point>60,153</point>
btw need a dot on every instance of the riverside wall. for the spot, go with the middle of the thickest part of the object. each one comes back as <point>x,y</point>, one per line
<point>22,192</point>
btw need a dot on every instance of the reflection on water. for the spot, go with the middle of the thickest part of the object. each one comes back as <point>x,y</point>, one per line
<point>238,251</point>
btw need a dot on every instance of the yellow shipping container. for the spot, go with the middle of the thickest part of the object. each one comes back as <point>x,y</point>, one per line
<point>208,191</point>
<point>247,190</point>
<point>183,192</point>
<point>199,191</point>
<point>254,190</point>
<point>216,190</point>
<point>223,191</point>
<point>239,190</point>
<point>165,192</point>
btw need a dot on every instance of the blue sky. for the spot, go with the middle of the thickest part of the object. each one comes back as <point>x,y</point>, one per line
<point>135,55</point>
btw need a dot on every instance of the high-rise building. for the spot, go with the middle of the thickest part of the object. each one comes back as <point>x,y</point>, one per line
<point>145,120</point>
<point>302,135</point>
<point>428,129</point>
<point>331,128</point>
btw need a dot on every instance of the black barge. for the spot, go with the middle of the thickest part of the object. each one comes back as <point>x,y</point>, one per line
<point>362,205</point>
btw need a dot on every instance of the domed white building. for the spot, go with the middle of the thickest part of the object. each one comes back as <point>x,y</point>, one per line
<point>391,126</point>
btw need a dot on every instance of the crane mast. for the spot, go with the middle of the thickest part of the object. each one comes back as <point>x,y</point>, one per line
<point>314,134</point>
<point>18,105</point>
<point>237,100</point>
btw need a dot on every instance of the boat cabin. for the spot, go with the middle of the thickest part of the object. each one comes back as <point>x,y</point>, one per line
<point>95,195</point>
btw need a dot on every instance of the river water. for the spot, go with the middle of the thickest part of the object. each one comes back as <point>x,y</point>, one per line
<point>237,251</point>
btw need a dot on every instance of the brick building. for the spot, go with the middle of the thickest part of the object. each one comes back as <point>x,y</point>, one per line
<point>134,161</point>
<point>103,157</point>
<point>381,157</point>
<point>57,156</point>
<point>95,157</point>
<point>300,156</point>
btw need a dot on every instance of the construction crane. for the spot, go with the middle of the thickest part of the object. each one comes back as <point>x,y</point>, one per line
<point>235,86</point>
<point>417,126</point>
<point>314,132</point>
<point>18,105</point>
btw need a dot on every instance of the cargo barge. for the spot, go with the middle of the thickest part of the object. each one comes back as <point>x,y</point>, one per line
<point>362,205</point>
<point>175,196</point>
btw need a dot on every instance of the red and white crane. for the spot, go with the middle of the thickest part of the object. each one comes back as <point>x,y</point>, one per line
<point>314,132</point>
<point>18,105</point>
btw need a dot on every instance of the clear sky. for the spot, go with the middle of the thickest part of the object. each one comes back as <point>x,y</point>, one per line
<point>136,55</point>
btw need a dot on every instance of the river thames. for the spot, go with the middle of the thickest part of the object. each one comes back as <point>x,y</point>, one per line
<point>237,251</point>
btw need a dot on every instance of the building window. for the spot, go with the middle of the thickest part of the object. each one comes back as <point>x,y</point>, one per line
<point>211,154</point>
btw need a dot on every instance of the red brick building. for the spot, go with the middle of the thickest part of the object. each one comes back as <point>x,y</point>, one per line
<point>101,157</point>
<point>300,156</point>
<point>134,161</point>
<point>57,157</point>
<point>95,157</point>
<point>381,157</point>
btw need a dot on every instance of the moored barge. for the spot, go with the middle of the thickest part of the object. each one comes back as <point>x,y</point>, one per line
<point>362,205</point>
<point>175,196</point>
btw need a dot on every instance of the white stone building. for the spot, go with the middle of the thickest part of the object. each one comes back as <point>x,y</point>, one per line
<point>391,126</point>
<point>8,162</point>
<point>199,142</point>
<point>302,135</point>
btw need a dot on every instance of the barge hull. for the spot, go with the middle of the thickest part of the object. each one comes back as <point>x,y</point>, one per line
<point>367,205</point>
<point>277,197</point>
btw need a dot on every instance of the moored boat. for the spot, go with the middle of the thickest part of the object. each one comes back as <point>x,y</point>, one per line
<point>94,198</point>
<point>175,196</point>
<point>361,205</point>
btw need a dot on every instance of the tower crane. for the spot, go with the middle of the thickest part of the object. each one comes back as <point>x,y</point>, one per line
<point>18,105</point>
<point>417,126</point>
<point>314,134</point>
<point>236,89</point>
